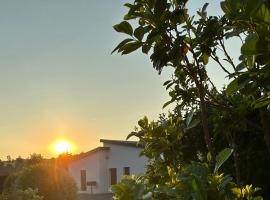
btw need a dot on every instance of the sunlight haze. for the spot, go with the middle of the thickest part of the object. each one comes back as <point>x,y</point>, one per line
<point>59,80</point>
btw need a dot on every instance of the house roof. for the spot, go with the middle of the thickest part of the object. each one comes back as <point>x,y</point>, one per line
<point>117,142</point>
<point>122,142</point>
<point>83,155</point>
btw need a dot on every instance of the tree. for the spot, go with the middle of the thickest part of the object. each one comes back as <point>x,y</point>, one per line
<point>19,162</point>
<point>169,32</point>
<point>34,159</point>
<point>252,18</point>
<point>52,182</point>
<point>187,43</point>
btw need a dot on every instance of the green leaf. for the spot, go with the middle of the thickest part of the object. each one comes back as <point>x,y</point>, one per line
<point>124,27</point>
<point>167,82</point>
<point>146,48</point>
<point>238,83</point>
<point>241,66</point>
<point>204,7</point>
<point>232,87</point>
<point>261,102</point>
<point>193,124</point>
<point>250,45</point>
<point>230,6</point>
<point>139,33</point>
<point>121,44</point>
<point>226,180</point>
<point>166,104</point>
<point>209,157</point>
<point>129,17</point>
<point>250,61</point>
<point>222,157</point>
<point>143,123</point>
<point>205,59</point>
<point>130,47</point>
<point>255,46</point>
<point>128,5</point>
<point>198,192</point>
<point>264,13</point>
<point>225,7</point>
<point>133,133</point>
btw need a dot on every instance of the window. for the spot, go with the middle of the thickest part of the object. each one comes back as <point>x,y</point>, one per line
<point>113,176</point>
<point>83,180</point>
<point>126,171</point>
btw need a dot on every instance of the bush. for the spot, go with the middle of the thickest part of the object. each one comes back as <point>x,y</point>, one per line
<point>53,183</point>
<point>195,181</point>
<point>28,194</point>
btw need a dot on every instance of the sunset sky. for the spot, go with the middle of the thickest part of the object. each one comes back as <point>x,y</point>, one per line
<point>58,79</point>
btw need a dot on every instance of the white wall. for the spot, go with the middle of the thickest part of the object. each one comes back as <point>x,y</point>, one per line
<point>121,156</point>
<point>95,166</point>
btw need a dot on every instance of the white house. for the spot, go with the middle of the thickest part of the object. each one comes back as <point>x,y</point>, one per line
<point>98,169</point>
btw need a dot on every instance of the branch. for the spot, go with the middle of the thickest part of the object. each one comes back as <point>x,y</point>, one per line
<point>219,63</point>
<point>227,55</point>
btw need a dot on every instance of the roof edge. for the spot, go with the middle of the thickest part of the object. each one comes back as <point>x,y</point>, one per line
<point>122,143</point>
<point>84,155</point>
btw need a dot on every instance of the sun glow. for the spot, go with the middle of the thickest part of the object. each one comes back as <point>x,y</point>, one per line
<point>62,146</point>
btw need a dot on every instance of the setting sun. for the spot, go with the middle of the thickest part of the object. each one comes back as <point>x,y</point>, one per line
<point>62,147</point>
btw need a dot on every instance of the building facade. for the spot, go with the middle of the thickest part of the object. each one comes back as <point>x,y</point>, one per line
<point>97,170</point>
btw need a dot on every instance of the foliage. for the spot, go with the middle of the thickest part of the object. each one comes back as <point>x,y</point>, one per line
<point>193,181</point>
<point>53,183</point>
<point>28,194</point>
<point>253,19</point>
<point>205,119</point>
<point>130,188</point>
<point>34,159</point>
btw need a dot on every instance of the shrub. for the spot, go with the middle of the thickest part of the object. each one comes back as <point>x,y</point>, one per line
<point>53,183</point>
<point>28,194</point>
<point>195,181</point>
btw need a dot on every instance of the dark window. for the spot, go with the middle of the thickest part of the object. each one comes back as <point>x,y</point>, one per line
<point>113,176</point>
<point>126,171</point>
<point>83,180</point>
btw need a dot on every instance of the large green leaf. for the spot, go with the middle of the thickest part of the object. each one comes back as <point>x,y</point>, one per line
<point>167,103</point>
<point>222,157</point>
<point>250,45</point>
<point>241,66</point>
<point>255,46</point>
<point>124,27</point>
<point>261,102</point>
<point>130,47</point>
<point>232,87</point>
<point>146,48</point>
<point>230,6</point>
<point>121,44</point>
<point>139,33</point>
<point>193,124</point>
<point>237,84</point>
<point>263,13</point>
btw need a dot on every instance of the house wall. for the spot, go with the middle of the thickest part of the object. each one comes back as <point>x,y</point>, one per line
<point>121,156</point>
<point>97,166</point>
<point>94,165</point>
<point>103,172</point>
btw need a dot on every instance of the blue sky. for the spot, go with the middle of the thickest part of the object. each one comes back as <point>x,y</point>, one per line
<point>58,79</point>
